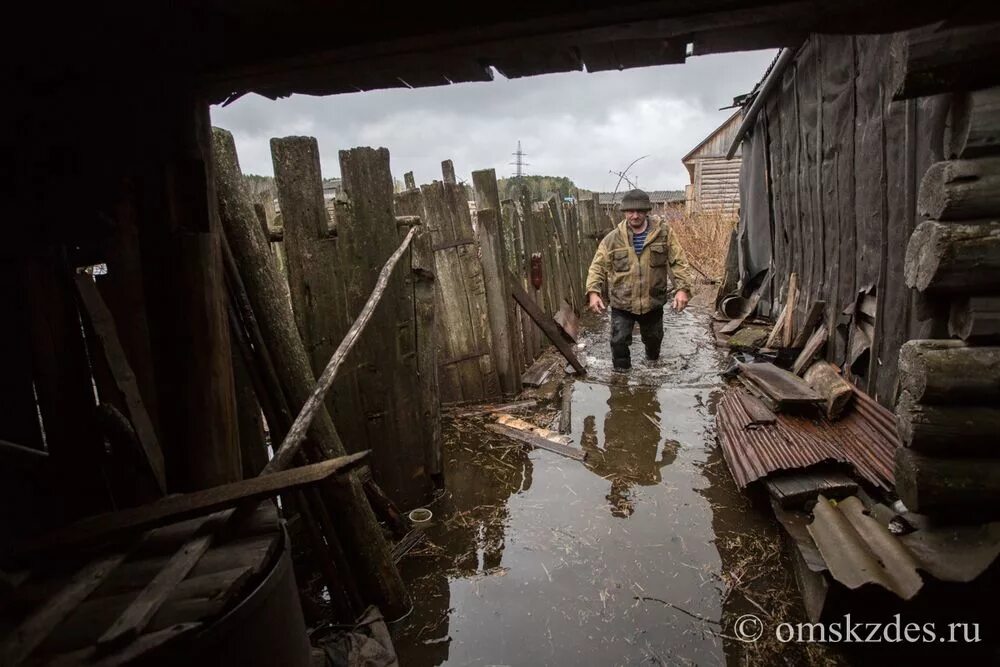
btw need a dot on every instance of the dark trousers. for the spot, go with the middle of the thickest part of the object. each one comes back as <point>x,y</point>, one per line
<point>622,324</point>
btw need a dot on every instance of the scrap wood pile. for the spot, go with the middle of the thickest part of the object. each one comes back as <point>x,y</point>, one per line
<point>827,454</point>
<point>781,420</point>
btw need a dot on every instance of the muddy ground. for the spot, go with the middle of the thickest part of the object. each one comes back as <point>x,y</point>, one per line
<point>645,553</point>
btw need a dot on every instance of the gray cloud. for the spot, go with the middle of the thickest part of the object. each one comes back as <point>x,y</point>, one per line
<point>577,124</point>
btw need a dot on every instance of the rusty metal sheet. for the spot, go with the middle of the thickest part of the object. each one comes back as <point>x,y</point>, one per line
<point>753,451</point>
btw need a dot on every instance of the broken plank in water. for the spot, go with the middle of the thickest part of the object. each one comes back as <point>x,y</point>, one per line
<point>405,545</point>
<point>538,441</point>
<point>475,411</point>
<point>189,505</point>
<point>779,384</point>
<point>522,425</point>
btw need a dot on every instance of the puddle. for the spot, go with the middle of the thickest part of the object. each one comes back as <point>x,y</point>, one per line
<point>640,554</point>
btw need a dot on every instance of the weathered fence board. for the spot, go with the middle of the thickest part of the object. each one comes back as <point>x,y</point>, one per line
<point>506,349</point>
<point>385,360</point>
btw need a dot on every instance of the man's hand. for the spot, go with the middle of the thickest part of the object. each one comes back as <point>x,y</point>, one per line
<point>596,303</point>
<point>681,298</point>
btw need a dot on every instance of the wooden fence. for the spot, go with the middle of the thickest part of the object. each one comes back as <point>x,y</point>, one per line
<point>448,331</point>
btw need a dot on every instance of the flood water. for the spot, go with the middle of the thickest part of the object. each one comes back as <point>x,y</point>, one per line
<point>630,557</point>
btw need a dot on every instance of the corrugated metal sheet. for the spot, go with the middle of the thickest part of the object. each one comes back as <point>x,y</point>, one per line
<point>853,542</point>
<point>861,438</point>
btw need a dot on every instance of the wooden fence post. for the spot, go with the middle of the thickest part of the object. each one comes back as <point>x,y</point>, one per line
<point>355,522</point>
<point>422,282</point>
<point>505,349</point>
<point>514,256</point>
<point>385,359</point>
<point>313,267</point>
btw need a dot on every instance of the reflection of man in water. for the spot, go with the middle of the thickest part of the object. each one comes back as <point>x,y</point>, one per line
<point>631,453</point>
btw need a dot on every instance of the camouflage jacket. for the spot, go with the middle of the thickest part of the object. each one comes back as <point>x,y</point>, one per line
<point>639,283</point>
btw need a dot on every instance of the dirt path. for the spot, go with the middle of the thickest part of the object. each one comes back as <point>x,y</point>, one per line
<point>644,553</point>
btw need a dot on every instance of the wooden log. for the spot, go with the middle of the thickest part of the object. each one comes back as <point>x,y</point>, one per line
<point>189,505</point>
<point>960,190</point>
<point>953,258</point>
<point>377,576</point>
<point>949,372</point>
<point>824,378</point>
<point>929,485</point>
<point>549,326</point>
<point>815,315</point>
<point>976,317</point>
<point>937,59</point>
<point>257,364</point>
<point>815,343</point>
<point>948,430</point>
<point>972,128</point>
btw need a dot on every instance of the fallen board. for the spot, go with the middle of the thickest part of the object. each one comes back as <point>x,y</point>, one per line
<point>475,411</point>
<point>816,341</point>
<point>538,441</point>
<point>759,413</point>
<point>780,385</point>
<point>176,508</point>
<point>549,327</point>
<point>796,489</point>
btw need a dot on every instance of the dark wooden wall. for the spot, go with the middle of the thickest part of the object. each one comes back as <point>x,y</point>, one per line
<point>838,180</point>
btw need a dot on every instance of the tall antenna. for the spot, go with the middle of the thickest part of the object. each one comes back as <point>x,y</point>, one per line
<point>519,162</point>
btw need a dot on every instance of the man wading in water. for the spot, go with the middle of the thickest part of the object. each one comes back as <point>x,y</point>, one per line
<point>633,264</point>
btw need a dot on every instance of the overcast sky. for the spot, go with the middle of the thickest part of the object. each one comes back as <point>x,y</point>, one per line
<point>576,124</point>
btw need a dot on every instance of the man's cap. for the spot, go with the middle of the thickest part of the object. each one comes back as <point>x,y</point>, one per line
<point>636,200</point>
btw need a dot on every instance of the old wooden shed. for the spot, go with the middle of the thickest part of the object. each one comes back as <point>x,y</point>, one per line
<point>715,177</point>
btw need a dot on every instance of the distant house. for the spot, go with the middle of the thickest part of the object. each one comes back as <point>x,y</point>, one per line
<point>715,181</point>
<point>662,200</point>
